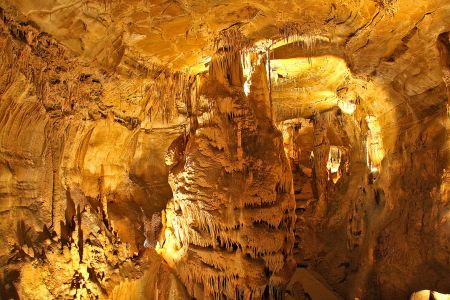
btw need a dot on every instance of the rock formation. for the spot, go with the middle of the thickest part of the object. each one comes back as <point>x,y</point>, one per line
<point>157,149</point>
<point>233,209</point>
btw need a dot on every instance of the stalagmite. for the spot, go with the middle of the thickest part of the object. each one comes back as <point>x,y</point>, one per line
<point>238,215</point>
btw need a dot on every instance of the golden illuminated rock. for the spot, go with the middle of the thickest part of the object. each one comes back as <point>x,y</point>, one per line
<point>157,149</point>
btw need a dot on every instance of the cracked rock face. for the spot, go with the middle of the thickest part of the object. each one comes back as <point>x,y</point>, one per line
<point>224,149</point>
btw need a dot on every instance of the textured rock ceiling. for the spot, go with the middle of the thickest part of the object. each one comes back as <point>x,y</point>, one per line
<point>387,41</point>
<point>180,34</point>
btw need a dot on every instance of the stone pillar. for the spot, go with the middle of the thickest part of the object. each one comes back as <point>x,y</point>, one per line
<point>230,224</point>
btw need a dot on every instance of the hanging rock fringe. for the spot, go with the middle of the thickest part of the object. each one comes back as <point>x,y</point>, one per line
<point>231,40</point>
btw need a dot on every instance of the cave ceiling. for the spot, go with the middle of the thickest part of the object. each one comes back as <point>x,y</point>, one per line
<point>378,41</point>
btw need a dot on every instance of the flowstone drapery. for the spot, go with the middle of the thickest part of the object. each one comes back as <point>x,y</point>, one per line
<point>230,223</point>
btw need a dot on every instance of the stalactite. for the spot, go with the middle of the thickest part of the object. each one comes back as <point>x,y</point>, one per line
<point>269,79</point>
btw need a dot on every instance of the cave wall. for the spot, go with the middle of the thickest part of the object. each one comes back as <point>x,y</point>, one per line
<point>80,170</point>
<point>380,231</point>
<point>381,235</point>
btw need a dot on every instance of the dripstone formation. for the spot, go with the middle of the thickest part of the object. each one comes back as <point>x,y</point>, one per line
<point>233,211</point>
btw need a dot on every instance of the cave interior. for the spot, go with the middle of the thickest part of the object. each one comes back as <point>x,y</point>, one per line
<point>181,149</point>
